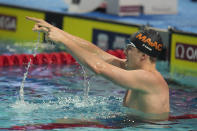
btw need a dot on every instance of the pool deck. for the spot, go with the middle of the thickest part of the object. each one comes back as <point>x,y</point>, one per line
<point>185,20</point>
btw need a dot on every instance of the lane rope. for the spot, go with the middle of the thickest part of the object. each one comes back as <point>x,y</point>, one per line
<point>50,126</point>
<point>46,58</point>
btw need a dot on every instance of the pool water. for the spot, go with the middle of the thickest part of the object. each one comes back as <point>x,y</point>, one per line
<point>58,91</point>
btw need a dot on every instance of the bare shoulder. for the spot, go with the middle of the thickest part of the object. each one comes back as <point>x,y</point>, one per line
<point>149,80</point>
<point>158,83</point>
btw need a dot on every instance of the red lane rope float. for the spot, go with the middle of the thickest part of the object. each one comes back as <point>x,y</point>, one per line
<point>112,52</point>
<point>26,58</point>
<point>66,58</point>
<point>16,60</point>
<point>120,53</point>
<point>44,58</point>
<point>186,116</point>
<point>55,58</point>
<point>5,60</point>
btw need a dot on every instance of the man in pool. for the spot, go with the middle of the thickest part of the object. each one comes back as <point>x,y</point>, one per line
<point>147,91</point>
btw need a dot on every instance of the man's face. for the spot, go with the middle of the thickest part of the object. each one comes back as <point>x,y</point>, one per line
<point>131,53</point>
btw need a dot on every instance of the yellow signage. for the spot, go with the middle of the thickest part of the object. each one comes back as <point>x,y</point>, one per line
<point>183,58</point>
<point>14,26</point>
<point>83,27</point>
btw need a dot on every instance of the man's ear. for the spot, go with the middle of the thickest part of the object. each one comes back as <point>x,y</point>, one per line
<point>144,56</point>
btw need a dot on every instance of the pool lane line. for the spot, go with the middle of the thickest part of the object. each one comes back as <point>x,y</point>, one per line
<point>46,58</point>
<point>50,126</point>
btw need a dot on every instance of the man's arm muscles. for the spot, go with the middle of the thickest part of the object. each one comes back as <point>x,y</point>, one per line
<point>134,80</point>
<point>96,50</point>
<point>52,32</point>
<point>126,79</point>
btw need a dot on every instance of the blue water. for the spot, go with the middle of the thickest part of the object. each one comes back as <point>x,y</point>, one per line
<point>52,92</point>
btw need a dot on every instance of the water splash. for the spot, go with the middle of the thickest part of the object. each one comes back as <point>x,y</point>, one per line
<point>27,70</point>
<point>23,82</point>
<point>86,84</point>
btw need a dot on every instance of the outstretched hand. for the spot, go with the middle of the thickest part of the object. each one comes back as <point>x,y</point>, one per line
<point>41,25</point>
<point>53,33</point>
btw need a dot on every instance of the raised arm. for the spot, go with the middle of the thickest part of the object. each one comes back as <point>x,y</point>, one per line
<point>133,80</point>
<point>88,46</point>
<point>126,79</point>
<point>96,51</point>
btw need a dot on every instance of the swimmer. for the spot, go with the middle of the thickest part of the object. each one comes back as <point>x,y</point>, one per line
<point>147,93</point>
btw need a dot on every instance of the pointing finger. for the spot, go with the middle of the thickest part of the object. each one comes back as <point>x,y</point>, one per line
<point>33,19</point>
